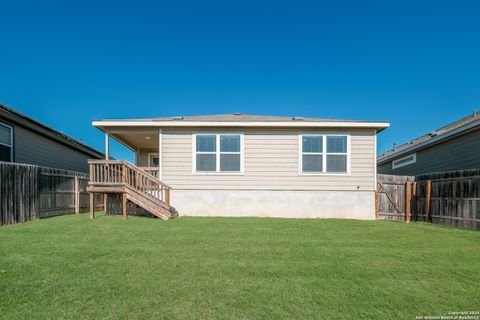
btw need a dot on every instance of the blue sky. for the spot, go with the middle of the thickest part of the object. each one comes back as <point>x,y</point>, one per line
<point>413,63</point>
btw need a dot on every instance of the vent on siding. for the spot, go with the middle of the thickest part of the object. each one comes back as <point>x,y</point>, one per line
<point>405,161</point>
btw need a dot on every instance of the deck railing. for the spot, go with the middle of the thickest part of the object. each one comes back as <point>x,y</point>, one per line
<point>119,173</point>
<point>154,171</point>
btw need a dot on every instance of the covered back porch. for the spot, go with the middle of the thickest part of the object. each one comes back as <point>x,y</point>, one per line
<point>139,182</point>
<point>145,143</point>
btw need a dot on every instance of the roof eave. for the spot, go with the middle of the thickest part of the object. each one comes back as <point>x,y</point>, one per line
<point>425,144</point>
<point>23,120</point>
<point>104,124</point>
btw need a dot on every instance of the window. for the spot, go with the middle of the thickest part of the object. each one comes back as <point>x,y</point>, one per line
<point>206,159</point>
<point>153,160</point>
<point>312,154</point>
<point>6,143</point>
<point>405,161</point>
<point>324,153</point>
<point>219,153</point>
<point>336,153</point>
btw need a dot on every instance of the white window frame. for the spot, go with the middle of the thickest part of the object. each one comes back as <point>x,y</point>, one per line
<point>11,140</point>
<point>324,153</point>
<point>414,155</point>
<point>217,153</point>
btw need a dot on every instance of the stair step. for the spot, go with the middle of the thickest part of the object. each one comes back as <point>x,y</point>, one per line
<point>156,210</point>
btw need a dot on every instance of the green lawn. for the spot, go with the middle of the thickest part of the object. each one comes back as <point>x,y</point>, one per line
<point>235,268</point>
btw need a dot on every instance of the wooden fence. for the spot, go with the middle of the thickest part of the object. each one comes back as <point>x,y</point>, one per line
<point>451,198</point>
<point>29,192</point>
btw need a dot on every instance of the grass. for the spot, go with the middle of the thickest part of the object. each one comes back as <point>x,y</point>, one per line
<point>71,267</point>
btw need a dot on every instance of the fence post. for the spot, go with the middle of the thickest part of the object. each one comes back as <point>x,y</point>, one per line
<point>376,205</point>
<point>427,200</point>
<point>414,197</point>
<point>408,198</point>
<point>77,195</point>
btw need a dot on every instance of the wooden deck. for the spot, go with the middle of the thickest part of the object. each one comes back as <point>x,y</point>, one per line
<point>134,183</point>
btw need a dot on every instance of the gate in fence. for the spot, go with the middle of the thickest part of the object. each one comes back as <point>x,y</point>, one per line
<point>393,197</point>
<point>451,198</point>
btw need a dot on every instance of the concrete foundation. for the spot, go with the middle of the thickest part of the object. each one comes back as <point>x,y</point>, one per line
<point>285,204</point>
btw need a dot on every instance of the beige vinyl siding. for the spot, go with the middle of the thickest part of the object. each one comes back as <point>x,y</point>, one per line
<point>270,162</point>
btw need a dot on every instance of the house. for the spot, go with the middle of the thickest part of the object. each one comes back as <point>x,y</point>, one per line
<point>24,140</point>
<point>244,165</point>
<point>452,147</point>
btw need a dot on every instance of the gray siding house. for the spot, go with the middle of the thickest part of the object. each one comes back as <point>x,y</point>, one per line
<point>453,147</point>
<point>24,140</point>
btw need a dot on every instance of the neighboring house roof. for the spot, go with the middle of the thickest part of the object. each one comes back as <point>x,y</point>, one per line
<point>18,118</point>
<point>437,136</point>
<point>240,120</point>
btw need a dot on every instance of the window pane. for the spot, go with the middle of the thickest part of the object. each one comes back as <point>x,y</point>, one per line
<point>206,143</point>
<point>154,162</point>
<point>5,153</point>
<point>229,143</point>
<point>5,135</point>
<point>312,163</point>
<point>312,144</point>
<point>337,144</point>
<point>336,163</point>
<point>206,162</point>
<point>230,162</point>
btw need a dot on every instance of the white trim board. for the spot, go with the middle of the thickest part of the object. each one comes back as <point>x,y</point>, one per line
<point>102,124</point>
<point>375,157</point>
<point>160,154</point>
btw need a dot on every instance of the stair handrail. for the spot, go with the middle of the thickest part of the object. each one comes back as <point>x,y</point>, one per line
<point>122,177</point>
<point>133,167</point>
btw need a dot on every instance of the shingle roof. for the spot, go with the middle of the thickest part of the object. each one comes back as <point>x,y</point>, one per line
<point>437,134</point>
<point>238,117</point>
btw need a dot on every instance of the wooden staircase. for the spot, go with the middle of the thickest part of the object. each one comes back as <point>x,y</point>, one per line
<point>133,183</point>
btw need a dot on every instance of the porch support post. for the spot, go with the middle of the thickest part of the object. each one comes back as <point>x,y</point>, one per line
<point>160,152</point>
<point>107,157</point>
<point>124,206</point>
<point>107,145</point>
<point>92,205</point>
